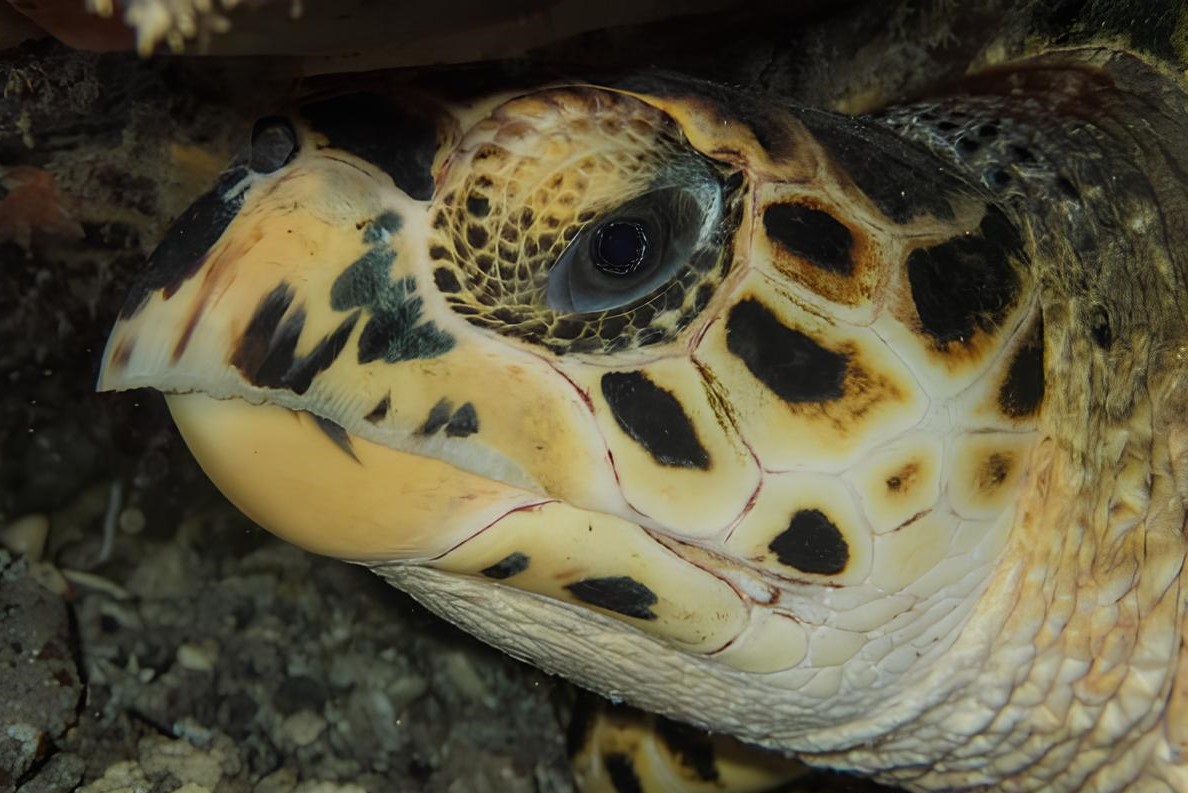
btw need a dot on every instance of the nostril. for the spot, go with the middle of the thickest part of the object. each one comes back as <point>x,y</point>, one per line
<point>274,143</point>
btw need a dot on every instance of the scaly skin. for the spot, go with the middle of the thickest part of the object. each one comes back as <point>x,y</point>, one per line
<point>833,481</point>
<point>1086,615</point>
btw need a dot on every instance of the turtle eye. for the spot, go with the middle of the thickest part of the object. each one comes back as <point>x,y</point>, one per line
<point>274,144</point>
<point>631,251</point>
<point>619,247</point>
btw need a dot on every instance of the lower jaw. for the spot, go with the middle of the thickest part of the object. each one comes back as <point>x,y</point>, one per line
<point>336,494</point>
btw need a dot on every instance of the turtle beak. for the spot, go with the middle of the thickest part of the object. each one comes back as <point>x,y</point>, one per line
<point>230,282</point>
<point>257,315</point>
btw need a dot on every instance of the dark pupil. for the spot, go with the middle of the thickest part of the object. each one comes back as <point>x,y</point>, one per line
<point>620,247</point>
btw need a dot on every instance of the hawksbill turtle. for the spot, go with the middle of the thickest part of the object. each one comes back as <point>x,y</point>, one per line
<point>860,438</point>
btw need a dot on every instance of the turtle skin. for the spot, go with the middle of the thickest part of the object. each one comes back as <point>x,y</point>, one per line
<point>861,439</point>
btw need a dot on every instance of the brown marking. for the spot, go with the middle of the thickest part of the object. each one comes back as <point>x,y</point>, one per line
<point>122,353</point>
<point>187,333</point>
<point>902,481</point>
<point>865,390</point>
<point>994,471</point>
<point>856,288</point>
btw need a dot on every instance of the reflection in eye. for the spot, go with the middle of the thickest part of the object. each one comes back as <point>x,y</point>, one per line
<point>631,251</point>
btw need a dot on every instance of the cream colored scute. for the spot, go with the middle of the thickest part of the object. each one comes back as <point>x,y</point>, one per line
<point>700,502</point>
<point>899,481</point>
<point>782,497</point>
<point>881,399</point>
<point>692,608</point>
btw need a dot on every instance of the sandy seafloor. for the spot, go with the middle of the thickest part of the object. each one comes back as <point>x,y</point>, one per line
<point>160,641</point>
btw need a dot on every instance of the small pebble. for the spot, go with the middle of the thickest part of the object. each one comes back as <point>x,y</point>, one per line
<point>463,676</point>
<point>119,778</point>
<point>405,691</point>
<point>131,521</point>
<point>51,578</point>
<point>303,727</point>
<point>281,781</point>
<point>198,657</point>
<point>26,536</point>
<point>180,758</point>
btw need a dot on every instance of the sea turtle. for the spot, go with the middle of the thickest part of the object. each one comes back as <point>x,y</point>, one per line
<point>862,439</point>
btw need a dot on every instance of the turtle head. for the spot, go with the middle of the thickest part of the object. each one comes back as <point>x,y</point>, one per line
<point>727,393</point>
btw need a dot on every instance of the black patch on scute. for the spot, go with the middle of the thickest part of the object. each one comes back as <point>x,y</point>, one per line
<point>691,746</point>
<point>812,544</point>
<point>184,248</point>
<point>395,331</point>
<point>463,423</point>
<point>384,224</point>
<point>790,363</point>
<point>621,770</point>
<point>811,234</point>
<point>968,282</point>
<point>438,416</point>
<point>620,594</point>
<point>266,354</point>
<point>512,564</point>
<point>902,180</point>
<point>1022,391</point>
<point>654,419</point>
<point>393,335</point>
<point>260,337</point>
<point>302,372</point>
<point>459,423</point>
<point>337,433</point>
<point>994,471</point>
<point>397,139</point>
<point>477,237</point>
<point>380,411</point>
<point>360,283</point>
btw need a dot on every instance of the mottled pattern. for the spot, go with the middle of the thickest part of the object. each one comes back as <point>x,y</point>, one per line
<point>521,186</point>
